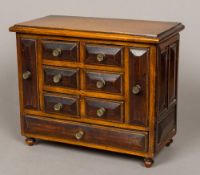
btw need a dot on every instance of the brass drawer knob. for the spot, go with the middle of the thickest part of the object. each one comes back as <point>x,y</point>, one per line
<point>100,57</point>
<point>136,89</point>
<point>57,107</point>
<point>56,52</point>
<point>79,135</point>
<point>57,78</point>
<point>101,112</point>
<point>100,84</point>
<point>26,75</point>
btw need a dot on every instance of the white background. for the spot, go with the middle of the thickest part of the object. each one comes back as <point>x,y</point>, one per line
<point>182,157</point>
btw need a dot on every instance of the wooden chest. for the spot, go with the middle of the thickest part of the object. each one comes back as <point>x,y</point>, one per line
<point>108,84</point>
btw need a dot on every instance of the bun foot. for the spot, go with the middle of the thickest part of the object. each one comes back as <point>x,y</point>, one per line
<point>30,141</point>
<point>169,142</point>
<point>148,162</point>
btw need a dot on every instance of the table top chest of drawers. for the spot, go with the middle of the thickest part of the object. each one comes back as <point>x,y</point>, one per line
<point>108,84</point>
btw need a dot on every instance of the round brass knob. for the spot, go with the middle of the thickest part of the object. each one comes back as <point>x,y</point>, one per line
<point>101,112</point>
<point>26,75</point>
<point>56,52</point>
<point>79,135</point>
<point>100,84</point>
<point>136,89</point>
<point>58,106</point>
<point>57,78</point>
<point>100,57</point>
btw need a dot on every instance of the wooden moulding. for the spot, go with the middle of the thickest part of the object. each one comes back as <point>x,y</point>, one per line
<point>85,120</point>
<point>139,31</point>
<point>89,35</point>
<point>79,34</point>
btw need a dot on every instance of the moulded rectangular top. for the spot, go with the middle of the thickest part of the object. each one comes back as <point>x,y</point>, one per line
<point>100,28</point>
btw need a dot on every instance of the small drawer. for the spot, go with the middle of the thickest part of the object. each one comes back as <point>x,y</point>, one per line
<point>61,77</point>
<point>60,51</point>
<point>84,134</point>
<point>104,82</point>
<point>65,104</point>
<point>104,55</point>
<point>104,109</point>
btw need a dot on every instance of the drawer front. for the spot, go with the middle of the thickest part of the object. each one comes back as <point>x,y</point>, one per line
<point>104,55</point>
<point>104,109</point>
<point>61,77</point>
<point>104,82</point>
<point>60,51</point>
<point>64,105</point>
<point>139,72</point>
<point>83,133</point>
<point>27,57</point>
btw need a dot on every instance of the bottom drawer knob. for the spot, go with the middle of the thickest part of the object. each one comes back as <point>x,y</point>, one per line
<point>58,107</point>
<point>79,135</point>
<point>101,112</point>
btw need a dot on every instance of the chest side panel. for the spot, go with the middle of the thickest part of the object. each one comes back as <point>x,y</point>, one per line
<point>167,91</point>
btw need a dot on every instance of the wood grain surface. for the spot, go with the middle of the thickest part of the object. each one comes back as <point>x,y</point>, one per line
<point>101,27</point>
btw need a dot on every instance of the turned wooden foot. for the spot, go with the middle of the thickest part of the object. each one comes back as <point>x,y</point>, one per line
<point>148,162</point>
<point>169,142</point>
<point>30,141</point>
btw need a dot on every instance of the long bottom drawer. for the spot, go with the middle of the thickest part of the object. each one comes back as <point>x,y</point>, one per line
<point>85,133</point>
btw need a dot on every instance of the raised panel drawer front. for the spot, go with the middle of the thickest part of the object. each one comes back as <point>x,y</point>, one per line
<point>29,73</point>
<point>89,134</point>
<point>104,82</point>
<point>104,109</point>
<point>104,55</point>
<point>139,71</point>
<point>61,77</point>
<point>61,104</point>
<point>60,50</point>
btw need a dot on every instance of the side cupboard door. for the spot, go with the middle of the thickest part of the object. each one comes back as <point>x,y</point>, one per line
<point>27,67</point>
<point>138,85</point>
